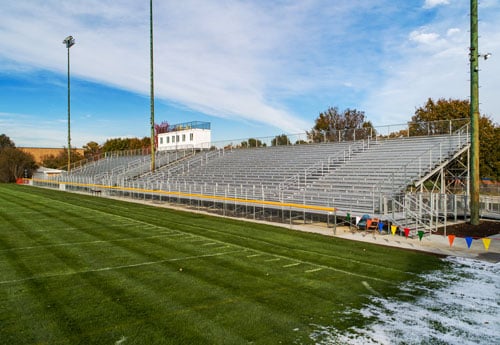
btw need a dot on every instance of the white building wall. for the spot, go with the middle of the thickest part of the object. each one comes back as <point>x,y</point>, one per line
<point>185,139</point>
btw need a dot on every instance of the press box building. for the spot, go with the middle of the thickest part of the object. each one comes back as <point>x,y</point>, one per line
<point>196,134</point>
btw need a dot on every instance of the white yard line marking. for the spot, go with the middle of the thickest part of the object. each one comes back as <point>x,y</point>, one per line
<point>210,244</point>
<point>271,260</point>
<point>197,239</point>
<point>222,247</point>
<point>172,234</point>
<point>319,267</point>
<point>253,255</point>
<point>122,340</point>
<point>314,270</point>
<point>112,268</point>
<point>291,265</point>
<point>369,288</point>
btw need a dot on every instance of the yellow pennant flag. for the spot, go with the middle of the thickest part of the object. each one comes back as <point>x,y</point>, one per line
<point>393,229</point>
<point>486,242</point>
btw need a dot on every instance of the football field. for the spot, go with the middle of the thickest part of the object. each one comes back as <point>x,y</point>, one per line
<point>77,269</point>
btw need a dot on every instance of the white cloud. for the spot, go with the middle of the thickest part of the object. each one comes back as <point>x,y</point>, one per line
<point>213,57</point>
<point>453,32</point>
<point>435,64</point>
<point>36,133</point>
<point>420,36</point>
<point>434,3</point>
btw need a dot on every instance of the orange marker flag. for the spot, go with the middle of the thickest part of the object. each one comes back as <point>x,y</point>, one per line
<point>451,238</point>
<point>486,242</point>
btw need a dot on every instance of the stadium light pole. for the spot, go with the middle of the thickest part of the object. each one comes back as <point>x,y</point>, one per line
<point>152,101</point>
<point>69,42</point>
<point>474,115</point>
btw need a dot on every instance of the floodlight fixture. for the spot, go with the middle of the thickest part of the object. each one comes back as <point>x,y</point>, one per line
<point>69,41</point>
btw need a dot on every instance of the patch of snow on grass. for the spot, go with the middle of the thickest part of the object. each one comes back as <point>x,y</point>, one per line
<point>456,306</point>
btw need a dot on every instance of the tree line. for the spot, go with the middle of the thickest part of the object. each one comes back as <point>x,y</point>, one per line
<point>14,163</point>
<point>331,125</point>
<point>94,151</point>
<point>431,118</point>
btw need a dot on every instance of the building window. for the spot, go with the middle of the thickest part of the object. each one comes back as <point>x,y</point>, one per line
<point>173,138</point>
<point>177,138</point>
<point>183,137</point>
<point>168,140</point>
<point>191,136</point>
<point>161,141</point>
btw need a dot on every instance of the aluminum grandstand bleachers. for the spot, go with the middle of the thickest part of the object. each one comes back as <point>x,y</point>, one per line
<point>368,176</point>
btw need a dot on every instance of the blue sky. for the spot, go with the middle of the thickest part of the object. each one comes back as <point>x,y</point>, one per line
<point>252,68</point>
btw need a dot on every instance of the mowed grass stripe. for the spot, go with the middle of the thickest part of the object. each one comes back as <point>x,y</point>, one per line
<point>111,268</point>
<point>197,294</point>
<point>88,255</point>
<point>366,259</point>
<point>134,304</point>
<point>115,252</point>
<point>345,271</point>
<point>92,255</point>
<point>350,261</point>
<point>354,261</point>
<point>167,234</point>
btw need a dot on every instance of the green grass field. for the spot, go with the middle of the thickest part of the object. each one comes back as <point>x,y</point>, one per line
<point>76,269</point>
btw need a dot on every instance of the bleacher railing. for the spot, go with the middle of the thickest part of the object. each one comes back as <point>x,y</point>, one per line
<point>408,129</point>
<point>184,166</point>
<point>323,167</point>
<point>428,163</point>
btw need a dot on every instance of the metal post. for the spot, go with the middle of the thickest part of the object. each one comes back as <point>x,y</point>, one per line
<point>474,115</point>
<point>153,143</point>
<point>69,42</point>
<point>335,222</point>
<point>69,120</point>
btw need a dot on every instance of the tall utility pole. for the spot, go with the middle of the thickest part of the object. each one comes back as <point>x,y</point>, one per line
<point>474,116</point>
<point>69,42</point>
<point>152,86</point>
